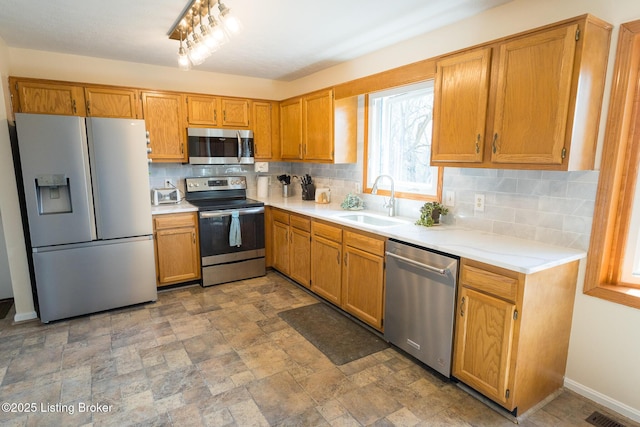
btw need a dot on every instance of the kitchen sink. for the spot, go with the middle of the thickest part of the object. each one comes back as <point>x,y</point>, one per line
<point>372,220</point>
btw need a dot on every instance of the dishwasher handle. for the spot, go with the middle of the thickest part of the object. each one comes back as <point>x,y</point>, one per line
<point>441,271</point>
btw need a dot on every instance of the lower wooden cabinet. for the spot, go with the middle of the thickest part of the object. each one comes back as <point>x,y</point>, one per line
<point>363,277</point>
<point>300,249</point>
<point>176,248</point>
<point>342,265</point>
<point>291,252</point>
<point>512,332</point>
<point>326,261</point>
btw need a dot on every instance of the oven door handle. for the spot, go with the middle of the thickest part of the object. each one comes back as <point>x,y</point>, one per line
<point>219,214</point>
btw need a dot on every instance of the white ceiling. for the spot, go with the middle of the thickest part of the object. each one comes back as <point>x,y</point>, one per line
<point>282,39</point>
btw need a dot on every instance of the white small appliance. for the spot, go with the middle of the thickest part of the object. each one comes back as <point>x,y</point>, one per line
<point>160,196</point>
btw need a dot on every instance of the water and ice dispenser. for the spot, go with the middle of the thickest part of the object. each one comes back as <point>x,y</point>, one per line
<point>53,194</point>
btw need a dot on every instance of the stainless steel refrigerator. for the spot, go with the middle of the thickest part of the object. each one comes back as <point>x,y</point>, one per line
<point>87,203</point>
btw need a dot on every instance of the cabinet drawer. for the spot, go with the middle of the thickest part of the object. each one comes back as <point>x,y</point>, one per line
<point>165,221</point>
<point>300,223</point>
<point>280,216</point>
<point>366,243</point>
<point>489,282</point>
<point>327,231</point>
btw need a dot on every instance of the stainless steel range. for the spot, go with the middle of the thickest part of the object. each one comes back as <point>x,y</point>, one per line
<point>231,228</point>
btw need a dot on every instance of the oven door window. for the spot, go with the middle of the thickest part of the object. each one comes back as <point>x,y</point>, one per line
<point>214,233</point>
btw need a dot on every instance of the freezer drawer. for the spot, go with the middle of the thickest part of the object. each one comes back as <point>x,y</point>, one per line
<point>86,278</point>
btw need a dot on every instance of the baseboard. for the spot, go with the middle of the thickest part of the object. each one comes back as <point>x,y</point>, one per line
<point>606,401</point>
<point>22,317</point>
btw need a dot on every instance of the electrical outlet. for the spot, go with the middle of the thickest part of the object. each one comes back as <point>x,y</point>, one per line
<point>168,183</point>
<point>450,198</point>
<point>478,203</point>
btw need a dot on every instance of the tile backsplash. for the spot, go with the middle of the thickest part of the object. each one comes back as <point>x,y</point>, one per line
<point>550,207</point>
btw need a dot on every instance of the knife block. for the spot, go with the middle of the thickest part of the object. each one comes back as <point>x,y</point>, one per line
<point>308,192</point>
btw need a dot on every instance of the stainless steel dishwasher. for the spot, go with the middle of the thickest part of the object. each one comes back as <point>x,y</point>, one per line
<point>420,303</point>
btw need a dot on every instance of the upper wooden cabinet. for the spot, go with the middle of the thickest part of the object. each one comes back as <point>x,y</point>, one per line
<point>202,110</point>
<point>317,128</point>
<point>112,102</point>
<point>46,97</point>
<point>164,120</point>
<point>235,112</point>
<point>291,129</point>
<point>266,130</point>
<point>531,101</point>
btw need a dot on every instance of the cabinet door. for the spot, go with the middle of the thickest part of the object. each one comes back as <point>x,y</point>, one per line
<point>317,126</point>
<point>291,129</point>
<point>50,98</point>
<point>483,343</point>
<point>300,256</point>
<point>281,247</point>
<point>363,285</point>
<point>326,267</point>
<point>177,255</point>
<point>109,102</point>
<point>202,110</point>
<point>460,107</point>
<point>533,95</point>
<point>263,130</point>
<point>164,120</point>
<point>235,113</point>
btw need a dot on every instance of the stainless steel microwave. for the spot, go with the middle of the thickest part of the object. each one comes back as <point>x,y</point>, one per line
<point>208,146</point>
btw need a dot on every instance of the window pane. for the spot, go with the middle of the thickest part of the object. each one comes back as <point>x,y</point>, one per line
<point>400,122</point>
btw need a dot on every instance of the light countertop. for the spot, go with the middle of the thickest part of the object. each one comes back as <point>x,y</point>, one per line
<point>524,256</point>
<point>170,208</point>
<point>520,255</point>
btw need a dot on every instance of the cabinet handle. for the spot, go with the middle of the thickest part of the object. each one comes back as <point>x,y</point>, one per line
<point>291,238</point>
<point>215,115</point>
<point>338,258</point>
<point>224,115</point>
<point>495,138</point>
<point>193,234</point>
<point>73,106</point>
<point>88,108</point>
<point>478,144</point>
<point>462,307</point>
<point>181,148</point>
<point>346,257</point>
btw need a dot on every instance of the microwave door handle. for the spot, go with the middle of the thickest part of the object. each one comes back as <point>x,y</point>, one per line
<point>239,146</point>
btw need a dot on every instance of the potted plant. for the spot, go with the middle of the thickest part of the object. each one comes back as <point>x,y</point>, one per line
<point>430,213</point>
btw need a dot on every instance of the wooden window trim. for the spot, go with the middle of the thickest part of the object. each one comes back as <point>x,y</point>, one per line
<point>616,186</point>
<point>365,172</point>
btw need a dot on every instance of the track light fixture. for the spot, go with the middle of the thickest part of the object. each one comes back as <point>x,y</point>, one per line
<point>203,31</point>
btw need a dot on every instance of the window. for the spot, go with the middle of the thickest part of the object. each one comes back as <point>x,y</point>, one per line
<point>613,261</point>
<point>399,123</point>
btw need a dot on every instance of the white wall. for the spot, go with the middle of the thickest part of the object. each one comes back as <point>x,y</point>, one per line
<point>10,210</point>
<point>604,351</point>
<point>55,66</point>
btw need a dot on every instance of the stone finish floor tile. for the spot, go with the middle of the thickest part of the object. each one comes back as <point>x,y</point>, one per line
<point>221,356</point>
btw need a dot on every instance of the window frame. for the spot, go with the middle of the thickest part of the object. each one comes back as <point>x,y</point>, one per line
<point>614,198</point>
<point>365,171</point>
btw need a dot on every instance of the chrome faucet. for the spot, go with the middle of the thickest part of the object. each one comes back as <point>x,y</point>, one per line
<point>391,204</point>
